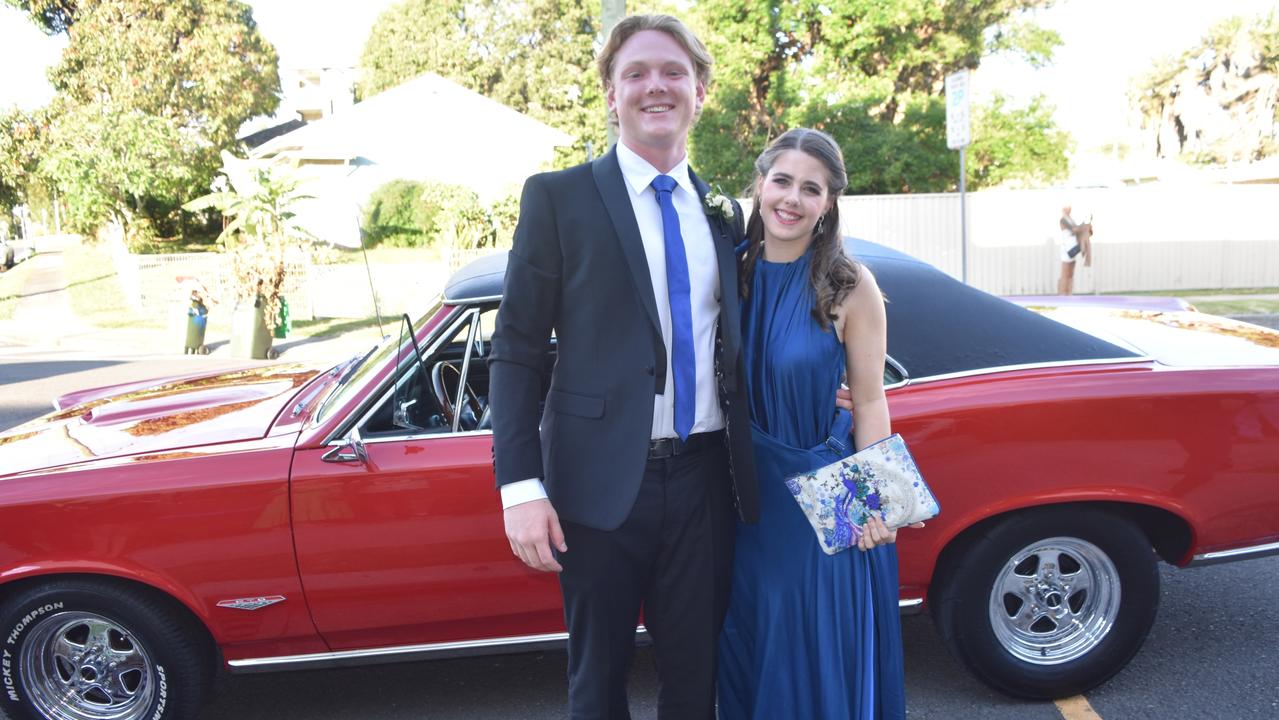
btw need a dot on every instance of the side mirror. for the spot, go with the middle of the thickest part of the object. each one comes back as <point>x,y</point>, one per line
<point>352,450</point>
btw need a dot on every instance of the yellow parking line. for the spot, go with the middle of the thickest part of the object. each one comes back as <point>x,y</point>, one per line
<point>1076,708</point>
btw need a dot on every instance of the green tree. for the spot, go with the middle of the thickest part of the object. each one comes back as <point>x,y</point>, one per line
<point>871,72</point>
<point>1215,102</point>
<point>110,164</point>
<point>149,93</point>
<point>1016,144</point>
<point>20,138</point>
<point>413,37</point>
<point>52,16</point>
<point>537,57</point>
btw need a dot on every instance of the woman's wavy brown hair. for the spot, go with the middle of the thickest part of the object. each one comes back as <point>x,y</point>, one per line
<point>832,273</point>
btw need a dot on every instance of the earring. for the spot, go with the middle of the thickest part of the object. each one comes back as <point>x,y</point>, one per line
<point>821,224</point>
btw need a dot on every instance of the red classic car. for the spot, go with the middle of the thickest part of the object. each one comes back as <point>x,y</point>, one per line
<point>292,516</point>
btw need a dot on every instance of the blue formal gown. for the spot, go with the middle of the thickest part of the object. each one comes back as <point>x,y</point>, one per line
<point>808,635</point>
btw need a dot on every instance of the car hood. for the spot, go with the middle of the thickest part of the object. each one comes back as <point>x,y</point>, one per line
<point>1176,338</point>
<point>153,416</point>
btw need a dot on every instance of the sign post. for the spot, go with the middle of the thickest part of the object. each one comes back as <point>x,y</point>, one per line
<point>958,135</point>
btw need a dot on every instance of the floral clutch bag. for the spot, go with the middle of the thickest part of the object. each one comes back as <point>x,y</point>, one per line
<point>881,479</point>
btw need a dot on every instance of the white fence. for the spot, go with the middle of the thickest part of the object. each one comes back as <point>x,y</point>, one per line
<point>159,285</point>
<point>1153,237</point>
<point>156,285</point>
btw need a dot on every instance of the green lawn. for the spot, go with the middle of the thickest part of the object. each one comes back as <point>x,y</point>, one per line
<point>12,282</point>
<point>331,327</point>
<point>382,255</point>
<point>95,292</point>
<point>1207,292</point>
<point>1203,300</point>
<point>1259,306</point>
<point>98,298</point>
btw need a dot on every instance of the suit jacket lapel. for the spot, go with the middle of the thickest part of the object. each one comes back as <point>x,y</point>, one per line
<point>724,236</point>
<point>617,201</point>
<point>612,187</point>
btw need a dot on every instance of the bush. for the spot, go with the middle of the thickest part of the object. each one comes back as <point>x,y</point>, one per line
<point>461,221</point>
<point>406,213</point>
<point>399,215</point>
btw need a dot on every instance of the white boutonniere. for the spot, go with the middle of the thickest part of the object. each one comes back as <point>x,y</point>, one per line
<point>718,205</point>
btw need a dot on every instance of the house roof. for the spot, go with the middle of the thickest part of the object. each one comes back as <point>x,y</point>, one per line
<point>413,118</point>
<point>254,139</point>
<point>425,129</point>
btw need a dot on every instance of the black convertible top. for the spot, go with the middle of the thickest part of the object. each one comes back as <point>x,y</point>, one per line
<point>936,324</point>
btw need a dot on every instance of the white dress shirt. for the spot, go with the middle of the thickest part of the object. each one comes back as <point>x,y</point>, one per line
<point>703,275</point>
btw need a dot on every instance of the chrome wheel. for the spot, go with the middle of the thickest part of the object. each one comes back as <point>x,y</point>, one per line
<point>1054,600</point>
<point>83,666</point>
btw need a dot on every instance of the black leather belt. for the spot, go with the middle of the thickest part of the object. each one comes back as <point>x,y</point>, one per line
<point>670,447</point>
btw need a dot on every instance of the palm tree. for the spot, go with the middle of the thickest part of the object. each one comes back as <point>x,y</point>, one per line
<point>262,228</point>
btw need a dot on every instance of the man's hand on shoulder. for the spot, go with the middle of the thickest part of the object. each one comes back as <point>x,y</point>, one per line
<point>844,397</point>
<point>533,529</point>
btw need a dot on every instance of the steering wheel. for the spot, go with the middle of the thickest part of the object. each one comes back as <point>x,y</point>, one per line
<point>444,375</point>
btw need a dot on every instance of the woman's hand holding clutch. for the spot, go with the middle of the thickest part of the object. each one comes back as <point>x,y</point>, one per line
<point>876,533</point>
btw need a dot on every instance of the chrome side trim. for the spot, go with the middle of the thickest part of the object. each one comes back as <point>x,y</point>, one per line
<point>350,658</point>
<point>438,651</point>
<point>471,301</point>
<point>1032,366</point>
<point>339,442</point>
<point>1243,553</point>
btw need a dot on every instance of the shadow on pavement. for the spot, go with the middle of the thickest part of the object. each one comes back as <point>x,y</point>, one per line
<point>22,372</point>
<point>53,290</point>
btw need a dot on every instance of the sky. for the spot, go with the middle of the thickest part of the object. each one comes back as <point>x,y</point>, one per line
<point>1106,43</point>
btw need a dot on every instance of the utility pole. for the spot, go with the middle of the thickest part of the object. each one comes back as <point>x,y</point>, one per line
<point>611,12</point>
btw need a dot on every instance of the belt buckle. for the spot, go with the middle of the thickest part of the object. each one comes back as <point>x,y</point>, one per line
<point>661,449</point>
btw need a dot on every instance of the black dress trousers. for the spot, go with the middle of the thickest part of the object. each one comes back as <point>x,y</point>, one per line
<point>673,557</point>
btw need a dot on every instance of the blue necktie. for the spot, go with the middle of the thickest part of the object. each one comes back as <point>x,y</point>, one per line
<point>683,359</point>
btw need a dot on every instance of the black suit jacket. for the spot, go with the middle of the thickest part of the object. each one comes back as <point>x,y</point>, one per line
<point>578,268</point>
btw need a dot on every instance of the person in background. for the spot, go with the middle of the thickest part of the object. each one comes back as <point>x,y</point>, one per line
<point>1076,239</point>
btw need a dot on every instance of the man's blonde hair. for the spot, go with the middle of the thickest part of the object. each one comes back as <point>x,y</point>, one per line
<point>629,26</point>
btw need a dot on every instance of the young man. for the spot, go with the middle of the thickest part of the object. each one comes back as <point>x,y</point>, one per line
<point>623,484</point>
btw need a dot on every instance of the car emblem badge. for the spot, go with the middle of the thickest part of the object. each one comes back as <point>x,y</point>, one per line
<point>251,603</point>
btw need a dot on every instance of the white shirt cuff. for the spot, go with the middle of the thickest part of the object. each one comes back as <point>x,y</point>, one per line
<point>518,493</point>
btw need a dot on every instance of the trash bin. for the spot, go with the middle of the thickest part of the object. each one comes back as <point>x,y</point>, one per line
<point>197,321</point>
<point>283,323</point>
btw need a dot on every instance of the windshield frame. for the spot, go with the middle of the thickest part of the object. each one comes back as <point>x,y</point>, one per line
<point>358,375</point>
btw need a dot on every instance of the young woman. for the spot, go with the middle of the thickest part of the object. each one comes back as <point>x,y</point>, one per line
<point>809,635</point>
